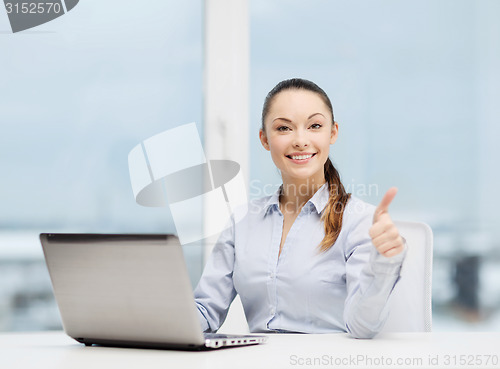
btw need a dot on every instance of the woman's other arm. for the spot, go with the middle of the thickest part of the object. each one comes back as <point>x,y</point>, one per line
<point>215,290</point>
<point>370,276</point>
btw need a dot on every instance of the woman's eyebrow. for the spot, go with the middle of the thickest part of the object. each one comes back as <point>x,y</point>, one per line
<point>288,120</point>
<point>316,114</point>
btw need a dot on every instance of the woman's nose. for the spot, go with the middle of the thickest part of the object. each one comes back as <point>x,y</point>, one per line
<point>300,139</point>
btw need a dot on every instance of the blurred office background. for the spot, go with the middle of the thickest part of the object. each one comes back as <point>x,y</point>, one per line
<point>415,87</point>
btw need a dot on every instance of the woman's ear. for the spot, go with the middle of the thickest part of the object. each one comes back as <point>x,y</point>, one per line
<point>263,139</point>
<point>335,133</point>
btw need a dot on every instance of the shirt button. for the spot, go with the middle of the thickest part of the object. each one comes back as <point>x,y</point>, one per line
<point>271,275</point>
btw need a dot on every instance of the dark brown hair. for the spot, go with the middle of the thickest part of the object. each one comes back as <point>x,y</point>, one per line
<point>334,211</point>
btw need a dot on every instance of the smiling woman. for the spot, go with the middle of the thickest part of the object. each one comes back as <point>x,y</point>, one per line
<point>285,128</point>
<point>299,144</point>
<point>322,260</point>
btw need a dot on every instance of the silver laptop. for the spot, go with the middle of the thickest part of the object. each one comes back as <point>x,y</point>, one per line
<point>129,291</point>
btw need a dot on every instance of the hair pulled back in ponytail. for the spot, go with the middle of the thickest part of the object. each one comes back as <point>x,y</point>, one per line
<point>334,210</point>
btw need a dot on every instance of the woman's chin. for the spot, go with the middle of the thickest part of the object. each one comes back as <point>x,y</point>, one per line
<point>303,175</point>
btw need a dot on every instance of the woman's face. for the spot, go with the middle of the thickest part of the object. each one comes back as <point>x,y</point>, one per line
<point>298,133</point>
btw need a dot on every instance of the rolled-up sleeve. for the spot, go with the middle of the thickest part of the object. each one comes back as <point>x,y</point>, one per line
<point>370,279</point>
<point>215,290</point>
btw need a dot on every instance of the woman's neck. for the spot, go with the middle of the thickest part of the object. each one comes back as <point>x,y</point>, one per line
<point>294,194</point>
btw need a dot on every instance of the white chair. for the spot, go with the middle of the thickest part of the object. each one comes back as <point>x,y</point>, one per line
<point>410,302</point>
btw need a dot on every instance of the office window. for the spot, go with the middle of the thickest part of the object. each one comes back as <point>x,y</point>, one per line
<point>78,93</point>
<point>414,86</point>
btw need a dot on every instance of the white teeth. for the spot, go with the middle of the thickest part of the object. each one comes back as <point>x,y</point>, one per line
<point>301,157</point>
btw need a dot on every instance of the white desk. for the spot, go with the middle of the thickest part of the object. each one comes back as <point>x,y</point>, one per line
<point>55,350</point>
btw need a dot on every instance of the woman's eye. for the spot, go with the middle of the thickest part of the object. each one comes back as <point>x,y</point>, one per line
<point>316,126</point>
<point>283,128</point>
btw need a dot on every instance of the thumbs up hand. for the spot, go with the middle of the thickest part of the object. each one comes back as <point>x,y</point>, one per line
<point>384,234</point>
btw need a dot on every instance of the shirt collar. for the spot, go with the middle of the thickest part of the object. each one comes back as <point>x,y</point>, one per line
<point>273,202</point>
<point>317,202</point>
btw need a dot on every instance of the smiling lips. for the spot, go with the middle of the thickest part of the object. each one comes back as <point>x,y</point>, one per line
<point>300,158</point>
